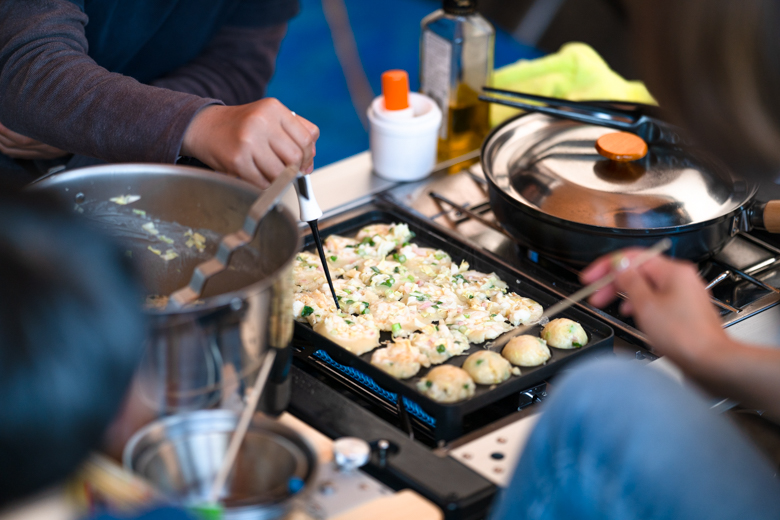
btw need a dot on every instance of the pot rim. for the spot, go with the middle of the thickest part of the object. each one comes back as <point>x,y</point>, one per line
<point>213,302</point>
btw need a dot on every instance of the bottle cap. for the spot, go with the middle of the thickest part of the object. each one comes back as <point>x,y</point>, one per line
<point>395,89</point>
<point>459,7</point>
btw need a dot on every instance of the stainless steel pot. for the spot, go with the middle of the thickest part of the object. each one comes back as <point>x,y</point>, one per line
<point>196,356</point>
<point>550,189</point>
<point>180,455</point>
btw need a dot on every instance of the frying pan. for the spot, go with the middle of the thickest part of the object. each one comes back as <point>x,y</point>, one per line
<point>552,191</point>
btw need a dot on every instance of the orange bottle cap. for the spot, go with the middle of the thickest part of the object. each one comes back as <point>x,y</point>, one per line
<point>395,89</point>
<point>621,146</point>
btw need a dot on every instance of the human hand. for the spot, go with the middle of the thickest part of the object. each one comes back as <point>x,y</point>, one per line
<point>668,300</point>
<point>255,141</point>
<point>18,146</point>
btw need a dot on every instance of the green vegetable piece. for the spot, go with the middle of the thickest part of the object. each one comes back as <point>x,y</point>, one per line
<point>402,258</point>
<point>396,328</point>
<point>440,349</point>
<point>396,270</point>
<point>466,386</point>
<point>349,322</point>
<point>375,269</point>
<point>576,345</point>
<point>306,311</point>
<point>334,258</point>
<point>410,278</point>
<point>428,384</point>
<point>440,255</point>
<point>479,361</point>
<point>350,302</point>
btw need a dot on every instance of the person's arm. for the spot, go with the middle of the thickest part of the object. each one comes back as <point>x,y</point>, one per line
<point>670,303</point>
<point>235,66</point>
<point>53,92</point>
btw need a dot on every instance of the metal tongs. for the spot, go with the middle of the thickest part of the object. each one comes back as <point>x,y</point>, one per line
<point>634,119</point>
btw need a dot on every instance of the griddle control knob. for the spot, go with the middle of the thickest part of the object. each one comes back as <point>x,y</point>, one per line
<point>350,453</point>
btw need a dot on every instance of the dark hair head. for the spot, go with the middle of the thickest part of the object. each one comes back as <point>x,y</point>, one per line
<point>71,335</point>
<point>714,66</point>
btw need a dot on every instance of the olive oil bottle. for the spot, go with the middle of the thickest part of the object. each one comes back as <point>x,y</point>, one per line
<point>456,60</point>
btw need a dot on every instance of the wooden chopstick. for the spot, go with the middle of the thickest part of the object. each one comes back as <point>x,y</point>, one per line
<point>651,252</point>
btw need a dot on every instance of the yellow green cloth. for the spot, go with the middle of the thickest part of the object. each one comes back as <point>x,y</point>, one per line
<point>576,72</point>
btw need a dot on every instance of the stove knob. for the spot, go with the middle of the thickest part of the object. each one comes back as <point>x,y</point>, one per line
<point>350,453</point>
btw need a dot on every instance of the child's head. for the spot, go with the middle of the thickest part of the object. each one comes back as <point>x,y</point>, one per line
<point>71,335</point>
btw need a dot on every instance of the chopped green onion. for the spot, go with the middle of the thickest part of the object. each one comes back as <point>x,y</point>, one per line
<point>396,328</point>
<point>350,302</point>
<point>576,345</point>
<point>440,349</point>
<point>410,278</point>
<point>402,258</point>
<point>463,329</point>
<point>467,316</point>
<point>466,386</point>
<point>429,384</point>
<point>349,322</point>
<point>458,277</point>
<point>436,327</point>
<point>306,311</point>
<point>375,269</point>
<point>389,282</point>
<point>480,361</point>
<point>440,255</point>
<point>299,258</point>
<point>396,270</point>
<point>333,258</point>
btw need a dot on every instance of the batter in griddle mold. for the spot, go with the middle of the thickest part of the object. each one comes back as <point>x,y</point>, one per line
<point>564,333</point>
<point>526,351</point>
<point>488,368</point>
<point>447,384</point>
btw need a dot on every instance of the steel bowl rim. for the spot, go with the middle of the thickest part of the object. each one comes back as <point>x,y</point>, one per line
<point>258,423</point>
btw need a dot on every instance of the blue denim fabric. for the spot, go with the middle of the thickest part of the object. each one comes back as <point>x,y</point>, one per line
<point>619,440</point>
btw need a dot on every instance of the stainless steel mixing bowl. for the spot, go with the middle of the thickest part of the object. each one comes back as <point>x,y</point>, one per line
<point>181,455</point>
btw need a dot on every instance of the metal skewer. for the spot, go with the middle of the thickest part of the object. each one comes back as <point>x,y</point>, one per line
<point>588,290</point>
<point>310,213</point>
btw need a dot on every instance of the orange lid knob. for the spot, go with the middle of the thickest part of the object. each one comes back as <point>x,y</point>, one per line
<point>621,146</point>
<point>395,89</point>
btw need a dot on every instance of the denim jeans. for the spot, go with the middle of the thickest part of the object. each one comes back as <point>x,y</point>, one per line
<point>620,440</point>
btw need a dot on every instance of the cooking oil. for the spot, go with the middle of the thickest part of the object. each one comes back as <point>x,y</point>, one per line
<point>456,61</point>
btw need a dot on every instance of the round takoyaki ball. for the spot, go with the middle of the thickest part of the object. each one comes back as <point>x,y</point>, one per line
<point>487,367</point>
<point>564,333</point>
<point>526,351</point>
<point>447,384</point>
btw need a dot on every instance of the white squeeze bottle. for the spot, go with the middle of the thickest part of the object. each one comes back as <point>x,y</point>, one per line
<point>456,60</point>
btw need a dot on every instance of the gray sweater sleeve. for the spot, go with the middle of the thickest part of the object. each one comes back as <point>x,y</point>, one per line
<point>52,91</point>
<point>235,67</point>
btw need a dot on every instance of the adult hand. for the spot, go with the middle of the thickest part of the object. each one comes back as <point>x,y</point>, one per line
<point>18,146</point>
<point>255,141</point>
<point>669,302</point>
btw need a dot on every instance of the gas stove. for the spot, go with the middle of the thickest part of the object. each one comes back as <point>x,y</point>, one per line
<point>463,475</point>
